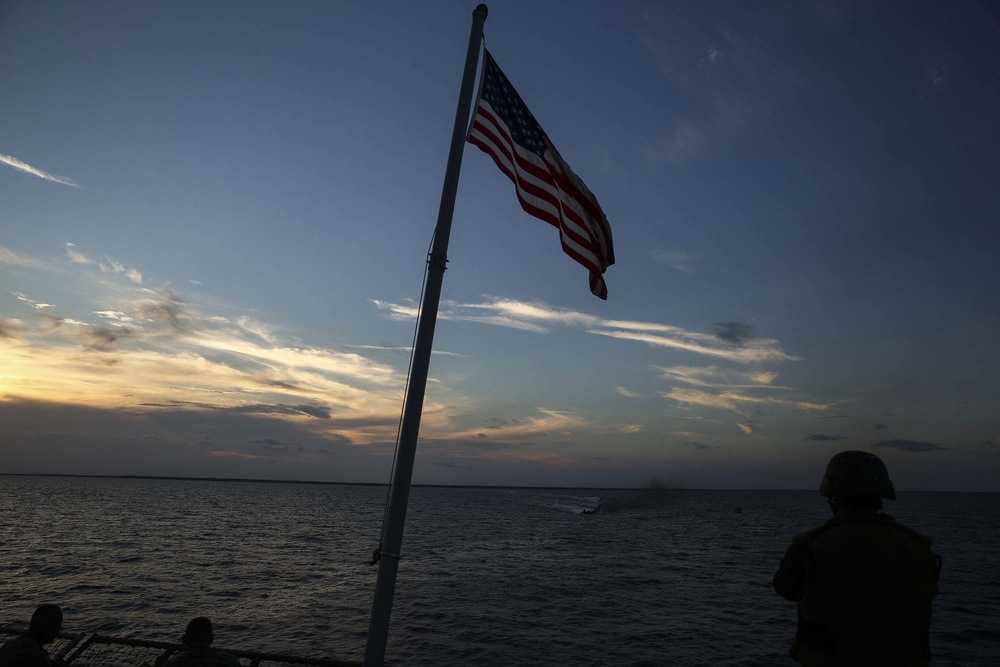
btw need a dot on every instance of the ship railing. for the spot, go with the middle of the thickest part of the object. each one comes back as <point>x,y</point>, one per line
<point>97,650</point>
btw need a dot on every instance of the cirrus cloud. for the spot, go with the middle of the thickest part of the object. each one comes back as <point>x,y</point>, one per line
<point>915,446</point>
<point>28,169</point>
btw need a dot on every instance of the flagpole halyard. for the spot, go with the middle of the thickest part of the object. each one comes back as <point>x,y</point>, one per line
<point>378,628</point>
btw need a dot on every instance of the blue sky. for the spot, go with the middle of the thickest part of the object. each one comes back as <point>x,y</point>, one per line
<point>214,219</point>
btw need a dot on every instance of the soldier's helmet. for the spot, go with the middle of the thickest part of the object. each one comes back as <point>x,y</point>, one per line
<point>856,474</point>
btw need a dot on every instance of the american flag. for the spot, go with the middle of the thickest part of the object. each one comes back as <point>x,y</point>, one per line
<point>546,187</point>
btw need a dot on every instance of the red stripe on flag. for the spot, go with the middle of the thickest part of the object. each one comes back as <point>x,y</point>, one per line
<point>546,186</point>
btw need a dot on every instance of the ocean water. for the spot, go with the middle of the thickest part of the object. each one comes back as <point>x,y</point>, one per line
<point>488,576</point>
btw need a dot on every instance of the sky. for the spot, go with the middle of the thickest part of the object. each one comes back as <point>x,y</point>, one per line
<point>214,220</point>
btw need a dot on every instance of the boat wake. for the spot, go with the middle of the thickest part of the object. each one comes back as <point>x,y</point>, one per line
<point>575,504</point>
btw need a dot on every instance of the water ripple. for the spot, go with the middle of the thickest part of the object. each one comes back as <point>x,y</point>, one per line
<point>488,576</point>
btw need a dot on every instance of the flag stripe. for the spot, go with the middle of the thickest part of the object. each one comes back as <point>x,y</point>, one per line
<point>540,201</point>
<point>581,198</point>
<point>546,187</point>
<point>539,195</point>
<point>530,170</point>
<point>496,139</point>
<point>534,200</point>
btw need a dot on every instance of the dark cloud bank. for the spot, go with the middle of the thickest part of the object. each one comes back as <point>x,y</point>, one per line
<point>735,333</point>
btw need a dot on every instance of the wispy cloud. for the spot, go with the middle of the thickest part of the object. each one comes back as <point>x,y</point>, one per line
<point>31,302</point>
<point>713,376</point>
<point>451,311</point>
<point>822,437</point>
<point>685,141</point>
<point>540,317</point>
<point>915,446</point>
<point>725,74</point>
<point>144,347</point>
<point>401,349</point>
<point>153,348</point>
<point>739,390</point>
<point>12,328</point>
<point>10,258</point>
<point>738,402</point>
<point>760,351</point>
<point>151,174</point>
<point>937,75</point>
<point>681,63</point>
<point>76,256</point>
<point>935,80</point>
<point>714,55</point>
<point>116,267</point>
<point>545,423</point>
<point>681,261</point>
<point>529,312</point>
<point>106,265</point>
<point>696,418</point>
<point>28,169</point>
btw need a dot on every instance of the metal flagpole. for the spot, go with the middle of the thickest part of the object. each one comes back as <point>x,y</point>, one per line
<point>378,627</point>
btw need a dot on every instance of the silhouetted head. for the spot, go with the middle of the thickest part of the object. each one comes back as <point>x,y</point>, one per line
<point>198,634</point>
<point>856,479</point>
<point>46,623</point>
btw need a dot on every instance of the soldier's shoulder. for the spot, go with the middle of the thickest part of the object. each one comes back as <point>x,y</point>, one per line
<point>911,532</point>
<point>802,539</point>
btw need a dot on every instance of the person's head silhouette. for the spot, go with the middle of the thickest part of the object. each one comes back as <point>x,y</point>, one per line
<point>198,634</point>
<point>46,623</point>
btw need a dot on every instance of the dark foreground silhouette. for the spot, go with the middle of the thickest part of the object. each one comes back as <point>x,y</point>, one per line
<point>863,583</point>
<point>28,649</point>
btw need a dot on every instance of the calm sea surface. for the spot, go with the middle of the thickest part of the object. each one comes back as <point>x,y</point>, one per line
<point>488,576</point>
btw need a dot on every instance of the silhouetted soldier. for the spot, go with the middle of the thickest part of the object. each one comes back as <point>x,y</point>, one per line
<point>864,583</point>
<point>198,651</point>
<point>27,650</point>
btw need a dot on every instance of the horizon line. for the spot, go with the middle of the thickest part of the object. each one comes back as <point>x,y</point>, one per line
<point>244,480</point>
